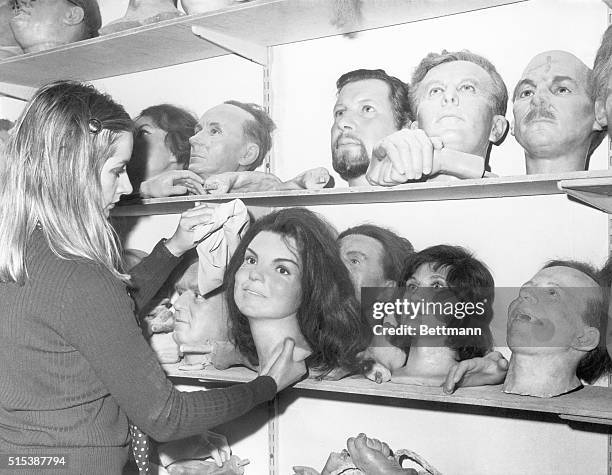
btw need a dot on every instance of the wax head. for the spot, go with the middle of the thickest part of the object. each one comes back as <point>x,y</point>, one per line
<point>161,141</point>
<point>151,153</point>
<point>547,316</point>
<point>363,257</point>
<point>8,44</point>
<point>370,105</point>
<point>602,81</point>
<point>220,144</point>
<point>454,102</point>
<point>554,114</point>
<point>198,319</point>
<point>373,255</point>
<point>269,282</point>
<point>43,24</point>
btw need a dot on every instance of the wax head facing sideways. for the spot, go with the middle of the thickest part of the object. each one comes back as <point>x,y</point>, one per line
<point>220,144</point>
<point>554,114</point>
<point>547,316</point>
<point>198,319</point>
<point>363,257</point>
<point>43,24</point>
<point>151,154</point>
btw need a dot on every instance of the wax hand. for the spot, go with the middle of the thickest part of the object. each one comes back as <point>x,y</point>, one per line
<point>284,368</point>
<point>301,470</point>
<point>403,156</point>
<point>218,447</point>
<point>221,183</point>
<point>313,179</point>
<point>160,319</point>
<point>490,369</point>
<point>172,182</point>
<point>184,238</point>
<point>372,456</point>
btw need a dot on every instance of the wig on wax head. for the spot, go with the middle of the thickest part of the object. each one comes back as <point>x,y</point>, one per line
<point>53,162</point>
<point>470,281</point>
<point>328,316</point>
<point>179,126</point>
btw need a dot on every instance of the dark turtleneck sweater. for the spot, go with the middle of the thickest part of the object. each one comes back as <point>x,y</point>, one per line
<point>74,366</point>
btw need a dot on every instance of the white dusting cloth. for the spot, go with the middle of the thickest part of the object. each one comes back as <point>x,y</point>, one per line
<point>219,240</point>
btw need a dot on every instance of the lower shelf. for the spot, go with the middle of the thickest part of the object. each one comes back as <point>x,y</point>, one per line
<point>592,404</point>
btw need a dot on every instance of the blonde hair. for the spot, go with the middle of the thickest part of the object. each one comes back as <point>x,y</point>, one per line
<point>51,175</point>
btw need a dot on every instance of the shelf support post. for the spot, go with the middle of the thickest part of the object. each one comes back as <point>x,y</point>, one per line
<point>245,49</point>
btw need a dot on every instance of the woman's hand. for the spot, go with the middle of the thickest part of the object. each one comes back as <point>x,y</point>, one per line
<point>285,370</point>
<point>184,238</point>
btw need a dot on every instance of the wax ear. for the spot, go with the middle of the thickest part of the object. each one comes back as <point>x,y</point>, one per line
<point>250,155</point>
<point>601,117</point>
<point>588,340</point>
<point>74,15</point>
<point>499,129</point>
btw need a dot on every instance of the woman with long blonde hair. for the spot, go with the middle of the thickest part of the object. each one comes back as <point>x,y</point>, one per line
<point>74,364</point>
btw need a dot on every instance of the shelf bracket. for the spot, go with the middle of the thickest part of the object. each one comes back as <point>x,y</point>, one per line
<point>246,49</point>
<point>596,192</point>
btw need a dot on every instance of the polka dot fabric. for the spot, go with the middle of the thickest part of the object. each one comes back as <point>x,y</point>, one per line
<point>140,449</point>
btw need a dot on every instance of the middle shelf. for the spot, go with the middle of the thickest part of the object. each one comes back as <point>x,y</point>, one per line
<point>520,185</point>
<point>592,404</point>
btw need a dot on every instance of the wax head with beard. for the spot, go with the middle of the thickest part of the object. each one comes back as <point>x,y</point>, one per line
<point>370,106</point>
<point>554,114</point>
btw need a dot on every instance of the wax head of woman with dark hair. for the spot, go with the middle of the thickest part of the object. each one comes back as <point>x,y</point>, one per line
<point>468,280</point>
<point>286,278</point>
<point>161,141</point>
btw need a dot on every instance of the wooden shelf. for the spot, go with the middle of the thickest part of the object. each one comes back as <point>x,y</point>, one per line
<point>261,22</point>
<point>591,404</point>
<point>523,185</point>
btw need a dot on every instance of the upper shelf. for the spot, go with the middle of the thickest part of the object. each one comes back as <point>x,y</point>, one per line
<point>261,22</point>
<point>523,185</point>
<point>591,404</point>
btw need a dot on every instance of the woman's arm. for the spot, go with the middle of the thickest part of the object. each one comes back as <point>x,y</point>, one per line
<point>99,324</point>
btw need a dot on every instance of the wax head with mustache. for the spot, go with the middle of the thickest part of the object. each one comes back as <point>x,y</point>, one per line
<point>554,114</point>
<point>370,105</point>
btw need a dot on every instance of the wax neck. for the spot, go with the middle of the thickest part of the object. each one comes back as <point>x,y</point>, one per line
<point>429,361</point>
<point>269,335</point>
<point>542,375</point>
<point>359,181</point>
<point>544,163</point>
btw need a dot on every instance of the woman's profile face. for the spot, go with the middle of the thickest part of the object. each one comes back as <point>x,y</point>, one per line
<point>151,155</point>
<point>268,284</point>
<point>113,176</point>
